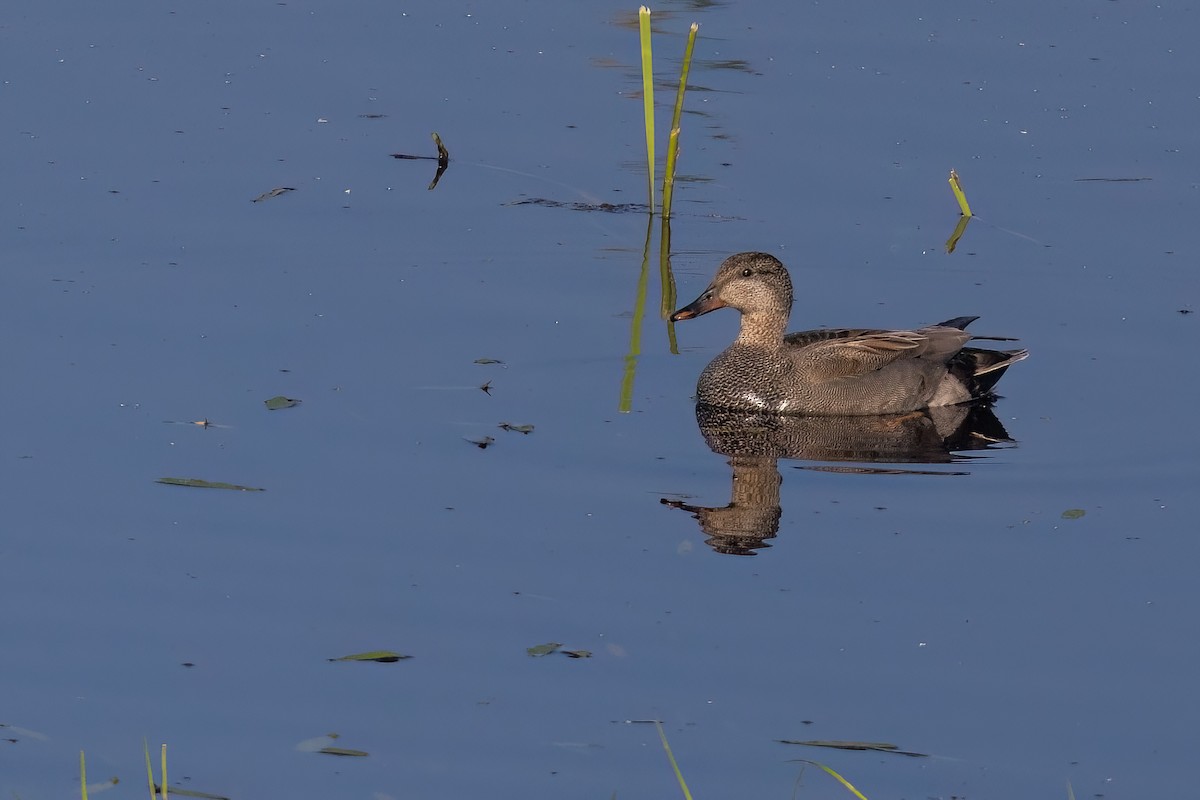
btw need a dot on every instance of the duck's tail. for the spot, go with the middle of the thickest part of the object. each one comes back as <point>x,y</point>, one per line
<point>980,370</point>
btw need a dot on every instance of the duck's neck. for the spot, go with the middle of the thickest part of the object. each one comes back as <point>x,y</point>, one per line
<point>762,329</point>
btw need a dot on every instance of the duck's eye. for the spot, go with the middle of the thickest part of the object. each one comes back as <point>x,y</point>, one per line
<point>747,272</point>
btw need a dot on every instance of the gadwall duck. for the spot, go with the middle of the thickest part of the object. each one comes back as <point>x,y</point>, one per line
<point>832,371</point>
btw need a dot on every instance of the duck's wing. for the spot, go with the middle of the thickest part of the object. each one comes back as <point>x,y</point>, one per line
<point>863,352</point>
<point>805,338</point>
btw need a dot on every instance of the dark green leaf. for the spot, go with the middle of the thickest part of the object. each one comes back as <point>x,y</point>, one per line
<point>543,649</point>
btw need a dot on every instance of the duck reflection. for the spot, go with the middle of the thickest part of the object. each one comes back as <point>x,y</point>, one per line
<point>754,443</point>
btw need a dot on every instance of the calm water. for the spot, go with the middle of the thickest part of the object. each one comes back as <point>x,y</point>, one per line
<point>958,615</point>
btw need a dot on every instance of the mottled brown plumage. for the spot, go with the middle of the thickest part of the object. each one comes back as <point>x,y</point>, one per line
<point>832,371</point>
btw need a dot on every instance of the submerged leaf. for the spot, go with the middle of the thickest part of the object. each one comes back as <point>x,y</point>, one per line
<point>279,401</point>
<point>488,361</point>
<point>342,751</point>
<point>198,483</point>
<point>577,653</point>
<point>1073,513</point>
<point>505,426</point>
<point>382,656</point>
<point>482,444</point>
<point>546,649</point>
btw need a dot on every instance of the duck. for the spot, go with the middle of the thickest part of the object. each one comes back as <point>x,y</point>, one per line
<point>833,371</point>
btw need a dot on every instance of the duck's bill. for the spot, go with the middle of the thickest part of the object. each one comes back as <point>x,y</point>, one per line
<point>701,305</point>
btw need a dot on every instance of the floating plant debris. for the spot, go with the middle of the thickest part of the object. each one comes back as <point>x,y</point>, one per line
<point>198,483</point>
<point>608,208</point>
<point>278,190</point>
<point>381,656</point>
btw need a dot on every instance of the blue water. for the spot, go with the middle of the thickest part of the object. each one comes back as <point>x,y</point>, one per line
<point>959,616</point>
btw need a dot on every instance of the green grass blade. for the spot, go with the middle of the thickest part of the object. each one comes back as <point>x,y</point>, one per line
<point>839,778</point>
<point>648,97</point>
<point>163,785</point>
<point>82,776</point>
<point>149,769</point>
<point>675,766</point>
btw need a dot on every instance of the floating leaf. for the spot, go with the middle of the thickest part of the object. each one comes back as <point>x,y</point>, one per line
<point>488,361</point>
<point>881,747</point>
<point>1073,513</point>
<point>543,649</point>
<point>505,426</point>
<point>382,656</point>
<point>577,653</point>
<point>484,443</point>
<point>278,190</point>
<point>198,483</point>
<point>342,751</point>
<point>279,401</point>
<point>841,745</point>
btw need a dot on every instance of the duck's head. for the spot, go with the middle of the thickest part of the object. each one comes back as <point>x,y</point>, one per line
<point>752,283</point>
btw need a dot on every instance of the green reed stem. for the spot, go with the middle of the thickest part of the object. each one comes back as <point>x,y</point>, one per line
<point>676,115</point>
<point>648,98</point>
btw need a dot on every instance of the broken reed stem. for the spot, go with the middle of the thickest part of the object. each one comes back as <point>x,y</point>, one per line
<point>959,195</point>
